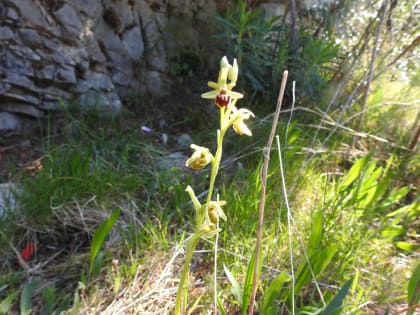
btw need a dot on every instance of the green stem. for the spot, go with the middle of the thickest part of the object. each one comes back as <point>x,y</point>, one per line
<point>215,166</point>
<point>181,296</point>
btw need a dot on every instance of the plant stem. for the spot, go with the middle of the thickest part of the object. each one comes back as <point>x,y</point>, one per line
<point>183,281</point>
<point>181,297</point>
<point>264,171</point>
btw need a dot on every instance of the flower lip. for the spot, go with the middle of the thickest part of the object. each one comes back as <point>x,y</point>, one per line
<point>200,158</point>
<point>222,100</point>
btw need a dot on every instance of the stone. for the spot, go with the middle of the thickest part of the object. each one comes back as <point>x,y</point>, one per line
<point>18,96</point>
<point>69,20</point>
<point>32,14</point>
<point>9,122</point>
<point>61,50</point>
<point>20,108</point>
<point>154,83</point>
<point>8,202</point>
<point>184,141</point>
<point>65,75</point>
<point>46,73</point>
<point>133,43</point>
<point>174,160</point>
<point>7,34</point>
<point>12,14</point>
<point>88,7</point>
<point>20,80</point>
<point>30,37</point>
<point>106,104</point>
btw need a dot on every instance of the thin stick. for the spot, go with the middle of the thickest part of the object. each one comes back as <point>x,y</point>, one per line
<point>372,63</point>
<point>264,170</point>
<point>289,224</point>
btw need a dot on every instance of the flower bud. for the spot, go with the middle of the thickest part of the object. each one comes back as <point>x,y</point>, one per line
<point>233,73</point>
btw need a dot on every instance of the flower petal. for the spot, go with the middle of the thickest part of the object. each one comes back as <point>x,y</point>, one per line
<point>210,94</point>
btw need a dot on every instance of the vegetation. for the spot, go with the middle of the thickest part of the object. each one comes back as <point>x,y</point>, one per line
<point>103,223</point>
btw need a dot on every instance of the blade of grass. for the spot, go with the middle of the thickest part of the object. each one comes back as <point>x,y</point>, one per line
<point>337,302</point>
<point>99,236</point>
<point>26,297</point>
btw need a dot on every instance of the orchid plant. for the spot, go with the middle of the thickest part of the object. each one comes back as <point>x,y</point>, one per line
<point>207,215</point>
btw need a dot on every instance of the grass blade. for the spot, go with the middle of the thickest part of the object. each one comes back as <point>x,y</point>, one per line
<point>413,288</point>
<point>273,293</point>
<point>337,302</point>
<point>236,288</point>
<point>99,236</point>
<point>249,281</point>
<point>26,297</point>
<point>5,304</point>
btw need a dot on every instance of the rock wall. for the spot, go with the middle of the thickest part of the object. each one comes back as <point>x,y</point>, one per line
<point>92,52</point>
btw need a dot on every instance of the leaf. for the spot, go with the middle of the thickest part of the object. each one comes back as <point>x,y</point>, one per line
<point>319,261</point>
<point>393,231</point>
<point>413,288</point>
<point>246,297</point>
<point>408,247</point>
<point>99,236</point>
<point>273,293</point>
<point>26,297</point>
<point>316,233</point>
<point>236,288</point>
<point>5,304</point>
<point>354,172</point>
<point>337,302</point>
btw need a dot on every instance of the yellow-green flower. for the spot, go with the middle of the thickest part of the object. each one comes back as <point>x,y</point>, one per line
<point>238,117</point>
<point>215,211</point>
<point>200,158</point>
<point>222,89</point>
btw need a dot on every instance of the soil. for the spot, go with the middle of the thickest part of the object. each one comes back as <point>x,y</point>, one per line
<point>18,152</point>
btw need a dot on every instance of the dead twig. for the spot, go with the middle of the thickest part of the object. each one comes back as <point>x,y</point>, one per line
<point>264,170</point>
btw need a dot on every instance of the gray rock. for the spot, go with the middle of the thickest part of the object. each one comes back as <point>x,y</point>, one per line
<point>133,43</point>
<point>69,20</point>
<point>46,73</point>
<point>6,33</point>
<point>174,160</point>
<point>184,141</point>
<point>20,80</point>
<point>9,122</point>
<point>12,14</point>
<point>8,202</point>
<point>33,15</point>
<point>88,7</point>
<point>155,83</point>
<point>65,75</point>
<point>30,37</point>
<point>20,108</point>
<point>106,104</point>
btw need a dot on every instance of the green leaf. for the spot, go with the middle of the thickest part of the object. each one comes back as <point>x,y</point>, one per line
<point>408,247</point>
<point>99,236</point>
<point>393,231</point>
<point>337,302</point>
<point>5,304</point>
<point>246,297</point>
<point>354,172</point>
<point>26,297</point>
<point>413,288</point>
<point>273,293</point>
<point>236,288</point>
<point>316,233</point>
<point>319,261</point>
